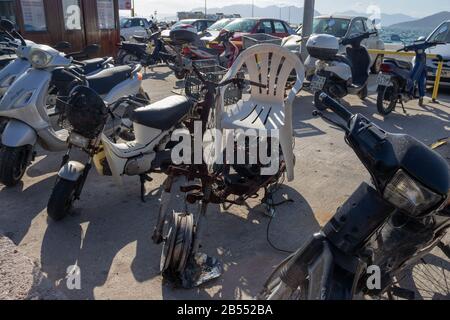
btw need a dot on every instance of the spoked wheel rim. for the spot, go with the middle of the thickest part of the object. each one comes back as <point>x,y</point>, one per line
<point>432,278</point>
<point>429,279</point>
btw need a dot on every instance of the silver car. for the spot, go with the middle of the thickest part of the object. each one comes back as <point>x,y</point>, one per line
<point>440,34</point>
<point>342,26</point>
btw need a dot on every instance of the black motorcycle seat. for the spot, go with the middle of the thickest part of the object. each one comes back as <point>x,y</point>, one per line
<point>133,45</point>
<point>163,114</point>
<point>107,79</point>
<point>92,64</point>
<point>399,63</point>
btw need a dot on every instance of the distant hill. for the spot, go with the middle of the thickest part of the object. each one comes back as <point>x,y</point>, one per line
<point>245,10</point>
<point>386,19</point>
<point>426,24</point>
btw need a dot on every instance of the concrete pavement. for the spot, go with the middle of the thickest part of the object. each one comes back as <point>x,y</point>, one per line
<point>108,236</point>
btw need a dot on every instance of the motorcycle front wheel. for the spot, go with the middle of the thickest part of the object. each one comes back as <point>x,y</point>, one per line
<point>62,199</point>
<point>13,164</point>
<point>387,98</point>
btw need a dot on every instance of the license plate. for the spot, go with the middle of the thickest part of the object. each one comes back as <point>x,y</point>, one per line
<point>384,80</point>
<point>317,83</point>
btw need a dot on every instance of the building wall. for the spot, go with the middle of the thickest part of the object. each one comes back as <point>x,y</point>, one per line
<point>74,21</point>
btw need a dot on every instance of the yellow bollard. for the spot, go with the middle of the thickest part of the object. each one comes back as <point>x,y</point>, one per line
<point>437,82</point>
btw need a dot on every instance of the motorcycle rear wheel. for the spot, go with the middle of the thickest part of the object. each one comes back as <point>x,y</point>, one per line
<point>387,98</point>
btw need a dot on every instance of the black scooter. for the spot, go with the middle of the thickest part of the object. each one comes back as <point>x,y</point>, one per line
<point>396,74</point>
<point>139,52</point>
<point>390,226</point>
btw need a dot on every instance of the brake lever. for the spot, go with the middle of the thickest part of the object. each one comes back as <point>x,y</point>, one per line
<point>317,113</point>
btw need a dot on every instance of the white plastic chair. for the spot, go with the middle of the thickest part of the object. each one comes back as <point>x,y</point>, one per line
<point>267,108</point>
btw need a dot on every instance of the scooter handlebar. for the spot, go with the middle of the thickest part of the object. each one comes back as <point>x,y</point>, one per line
<point>336,107</point>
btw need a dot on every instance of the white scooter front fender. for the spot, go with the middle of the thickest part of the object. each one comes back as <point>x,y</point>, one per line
<point>18,134</point>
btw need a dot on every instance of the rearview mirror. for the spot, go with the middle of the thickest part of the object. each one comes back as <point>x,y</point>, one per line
<point>421,38</point>
<point>7,25</point>
<point>91,49</point>
<point>396,38</point>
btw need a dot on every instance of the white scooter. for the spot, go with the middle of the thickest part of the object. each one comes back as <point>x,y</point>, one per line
<point>339,75</point>
<point>87,114</point>
<point>25,105</point>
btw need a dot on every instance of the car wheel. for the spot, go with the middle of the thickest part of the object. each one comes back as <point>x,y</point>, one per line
<point>376,68</point>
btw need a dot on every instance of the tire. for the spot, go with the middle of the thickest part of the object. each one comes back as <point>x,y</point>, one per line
<point>61,201</point>
<point>376,68</point>
<point>128,58</point>
<point>180,75</point>
<point>387,92</point>
<point>13,164</point>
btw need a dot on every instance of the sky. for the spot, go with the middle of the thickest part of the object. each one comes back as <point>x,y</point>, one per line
<point>415,8</point>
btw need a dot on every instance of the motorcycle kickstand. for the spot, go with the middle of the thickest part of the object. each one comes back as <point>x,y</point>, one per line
<point>444,248</point>
<point>144,178</point>
<point>403,107</point>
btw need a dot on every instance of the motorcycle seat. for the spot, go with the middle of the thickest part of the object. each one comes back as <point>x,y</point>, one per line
<point>92,64</point>
<point>134,46</point>
<point>107,79</point>
<point>401,64</point>
<point>163,114</point>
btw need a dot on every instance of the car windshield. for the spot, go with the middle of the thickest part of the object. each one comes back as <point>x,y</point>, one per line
<point>442,34</point>
<point>242,25</point>
<point>184,22</point>
<point>125,22</point>
<point>332,26</point>
<point>219,25</point>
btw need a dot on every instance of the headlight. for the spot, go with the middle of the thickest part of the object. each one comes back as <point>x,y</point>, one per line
<point>40,59</point>
<point>409,195</point>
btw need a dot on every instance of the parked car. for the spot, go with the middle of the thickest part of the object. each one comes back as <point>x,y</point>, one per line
<point>341,27</point>
<point>246,26</point>
<point>294,41</point>
<point>213,31</point>
<point>130,27</point>
<point>441,34</point>
<point>200,24</point>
